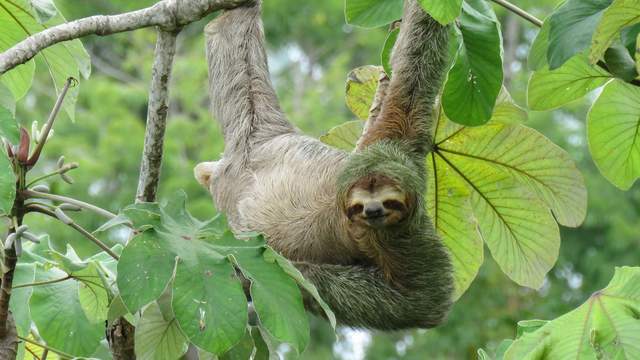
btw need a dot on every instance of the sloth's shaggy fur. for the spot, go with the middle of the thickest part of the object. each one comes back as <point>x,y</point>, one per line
<point>294,188</point>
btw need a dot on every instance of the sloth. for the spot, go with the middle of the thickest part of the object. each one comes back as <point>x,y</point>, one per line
<point>354,224</point>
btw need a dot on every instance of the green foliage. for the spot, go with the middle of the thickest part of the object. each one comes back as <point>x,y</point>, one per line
<point>614,138</point>
<point>385,55</point>
<point>21,18</point>
<point>372,13</point>
<point>571,29</point>
<point>549,89</point>
<point>443,11</point>
<point>475,79</point>
<point>7,184</point>
<point>362,83</point>
<point>621,14</point>
<point>605,326</point>
<point>196,260</point>
<point>158,338</point>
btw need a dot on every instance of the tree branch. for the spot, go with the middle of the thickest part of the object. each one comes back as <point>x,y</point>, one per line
<point>167,14</point>
<point>156,116</point>
<point>516,10</point>
<point>64,199</point>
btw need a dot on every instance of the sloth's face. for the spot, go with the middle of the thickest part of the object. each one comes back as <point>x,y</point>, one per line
<point>377,201</point>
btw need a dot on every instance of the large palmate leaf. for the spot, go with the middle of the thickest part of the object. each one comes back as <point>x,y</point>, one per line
<point>196,259</point>
<point>549,89</point>
<point>621,14</point>
<point>158,338</point>
<point>23,275</point>
<point>606,326</point>
<point>475,79</point>
<point>571,29</point>
<point>444,11</point>
<point>537,58</point>
<point>7,184</point>
<point>613,131</point>
<point>372,13</point>
<point>20,18</point>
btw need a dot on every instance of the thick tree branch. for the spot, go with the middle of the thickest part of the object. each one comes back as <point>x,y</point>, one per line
<point>156,115</point>
<point>167,14</point>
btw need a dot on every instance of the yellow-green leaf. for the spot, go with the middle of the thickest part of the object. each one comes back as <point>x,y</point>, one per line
<point>450,210</point>
<point>444,11</point>
<point>344,136</point>
<point>157,338</point>
<point>613,132</point>
<point>361,88</point>
<point>620,14</point>
<point>549,89</point>
<point>606,326</point>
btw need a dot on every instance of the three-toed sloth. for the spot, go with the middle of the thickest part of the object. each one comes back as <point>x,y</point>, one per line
<point>354,224</point>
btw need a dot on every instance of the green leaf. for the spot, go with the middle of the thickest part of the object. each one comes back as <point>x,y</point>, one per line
<point>145,268</point>
<point>372,13</point>
<point>620,63</point>
<point>157,338</point>
<point>549,89</point>
<point>59,316</point>
<point>450,210</point>
<point>621,14</point>
<point>24,274</point>
<point>572,27</point>
<point>242,350</point>
<point>637,56</point>
<point>6,99</point>
<point>475,79</point>
<point>527,326</point>
<point>291,270</point>
<point>9,126</point>
<point>118,309</point>
<point>361,88</point>
<point>272,289</point>
<point>44,10</point>
<point>507,111</point>
<point>443,11</point>
<point>92,294</point>
<point>513,176</point>
<point>537,58</point>
<point>262,349</point>
<point>7,184</point>
<point>63,60</point>
<point>613,132</point>
<point>387,48</point>
<point>208,299</point>
<point>344,136</point>
<point>606,326</point>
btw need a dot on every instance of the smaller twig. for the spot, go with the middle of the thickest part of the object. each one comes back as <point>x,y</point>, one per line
<point>52,117</point>
<point>64,199</point>
<point>518,11</point>
<point>78,228</point>
<point>43,346</point>
<point>39,283</point>
<point>46,176</point>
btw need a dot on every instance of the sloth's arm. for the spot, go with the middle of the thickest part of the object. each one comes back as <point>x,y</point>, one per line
<point>243,100</point>
<point>418,65</point>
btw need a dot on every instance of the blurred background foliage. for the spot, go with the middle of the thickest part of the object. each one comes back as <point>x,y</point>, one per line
<point>311,50</point>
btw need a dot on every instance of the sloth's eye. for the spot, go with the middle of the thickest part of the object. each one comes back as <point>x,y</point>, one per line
<point>393,205</point>
<point>354,209</point>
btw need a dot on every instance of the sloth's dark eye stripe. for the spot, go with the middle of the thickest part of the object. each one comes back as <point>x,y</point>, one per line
<point>355,209</point>
<point>393,205</point>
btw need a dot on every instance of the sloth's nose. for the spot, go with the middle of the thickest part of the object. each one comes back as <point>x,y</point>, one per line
<point>373,210</point>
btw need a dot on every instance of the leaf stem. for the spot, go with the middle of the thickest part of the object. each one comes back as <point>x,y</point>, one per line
<point>518,11</point>
<point>49,124</point>
<point>45,176</point>
<point>59,352</point>
<point>78,228</point>
<point>65,199</point>
<point>39,283</point>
